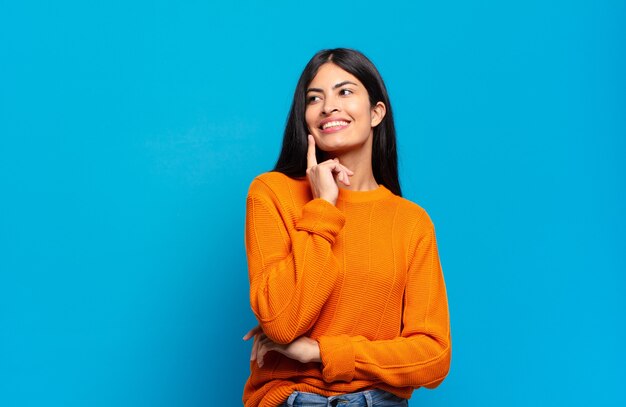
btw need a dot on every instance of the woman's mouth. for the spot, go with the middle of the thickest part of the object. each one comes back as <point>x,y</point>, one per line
<point>333,126</point>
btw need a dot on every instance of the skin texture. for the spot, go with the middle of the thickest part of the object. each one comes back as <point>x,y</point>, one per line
<point>332,95</point>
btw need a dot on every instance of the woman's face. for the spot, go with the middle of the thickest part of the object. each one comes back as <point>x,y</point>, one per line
<point>338,111</point>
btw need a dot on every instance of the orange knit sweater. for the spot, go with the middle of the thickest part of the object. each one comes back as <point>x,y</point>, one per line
<point>363,278</point>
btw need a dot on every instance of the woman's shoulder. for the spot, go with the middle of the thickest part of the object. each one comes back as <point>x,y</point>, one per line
<point>412,212</point>
<point>275,183</point>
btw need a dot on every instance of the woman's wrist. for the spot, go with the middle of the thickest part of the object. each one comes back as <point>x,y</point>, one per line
<point>315,352</point>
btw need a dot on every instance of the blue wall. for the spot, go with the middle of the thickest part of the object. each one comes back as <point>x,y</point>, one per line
<point>129,134</point>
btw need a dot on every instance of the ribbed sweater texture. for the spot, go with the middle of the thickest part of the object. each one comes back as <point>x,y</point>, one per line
<point>361,277</point>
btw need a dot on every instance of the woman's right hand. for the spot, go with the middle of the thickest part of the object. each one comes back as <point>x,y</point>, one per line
<point>324,177</point>
<point>302,349</point>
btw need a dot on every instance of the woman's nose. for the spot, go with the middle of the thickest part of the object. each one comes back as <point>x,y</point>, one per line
<point>330,105</point>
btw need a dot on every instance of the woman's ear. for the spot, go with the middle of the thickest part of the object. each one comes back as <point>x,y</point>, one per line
<point>378,113</point>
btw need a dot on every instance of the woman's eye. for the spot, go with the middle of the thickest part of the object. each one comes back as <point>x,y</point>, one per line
<point>345,92</point>
<point>312,99</point>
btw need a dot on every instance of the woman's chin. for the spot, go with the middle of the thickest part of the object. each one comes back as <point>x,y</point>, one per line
<point>334,144</point>
<point>339,147</point>
<point>334,150</point>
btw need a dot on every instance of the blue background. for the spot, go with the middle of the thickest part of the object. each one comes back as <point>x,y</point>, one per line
<point>130,133</point>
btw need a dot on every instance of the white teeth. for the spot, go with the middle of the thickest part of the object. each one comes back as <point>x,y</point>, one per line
<point>334,124</point>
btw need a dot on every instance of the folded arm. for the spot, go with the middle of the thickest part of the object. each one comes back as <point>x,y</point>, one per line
<point>292,268</point>
<point>420,356</point>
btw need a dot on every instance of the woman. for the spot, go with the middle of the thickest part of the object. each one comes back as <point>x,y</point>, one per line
<point>345,278</point>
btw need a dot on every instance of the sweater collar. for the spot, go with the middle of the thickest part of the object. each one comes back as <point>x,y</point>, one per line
<point>377,194</point>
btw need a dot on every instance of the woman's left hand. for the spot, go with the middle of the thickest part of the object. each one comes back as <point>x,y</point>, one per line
<point>303,349</point>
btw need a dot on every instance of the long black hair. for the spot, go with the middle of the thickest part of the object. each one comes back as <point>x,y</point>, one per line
<point>292,159</point>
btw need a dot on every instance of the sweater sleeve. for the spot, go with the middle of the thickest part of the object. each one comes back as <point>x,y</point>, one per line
<point>292,269</point>
<point>420,356</point>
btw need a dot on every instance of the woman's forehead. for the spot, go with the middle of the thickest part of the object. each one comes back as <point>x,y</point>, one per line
<point>330,74</point>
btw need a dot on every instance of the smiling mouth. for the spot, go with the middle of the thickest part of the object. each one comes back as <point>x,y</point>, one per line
<point>334,125</point>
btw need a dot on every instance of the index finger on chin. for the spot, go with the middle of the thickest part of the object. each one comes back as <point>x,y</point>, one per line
<point>311,159</point>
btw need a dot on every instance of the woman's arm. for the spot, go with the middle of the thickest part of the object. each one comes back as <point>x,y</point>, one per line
<point>421,355</point>
<point>303,349</point>
<point>292,268</point>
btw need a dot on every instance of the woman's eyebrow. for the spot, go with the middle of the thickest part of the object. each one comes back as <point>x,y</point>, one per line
<point>338,85</point>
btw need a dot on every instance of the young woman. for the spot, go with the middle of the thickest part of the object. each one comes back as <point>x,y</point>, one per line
<point>345,278</point>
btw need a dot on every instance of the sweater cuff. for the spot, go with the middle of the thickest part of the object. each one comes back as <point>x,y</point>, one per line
<point>322,218</point>
<point>337,354</point>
